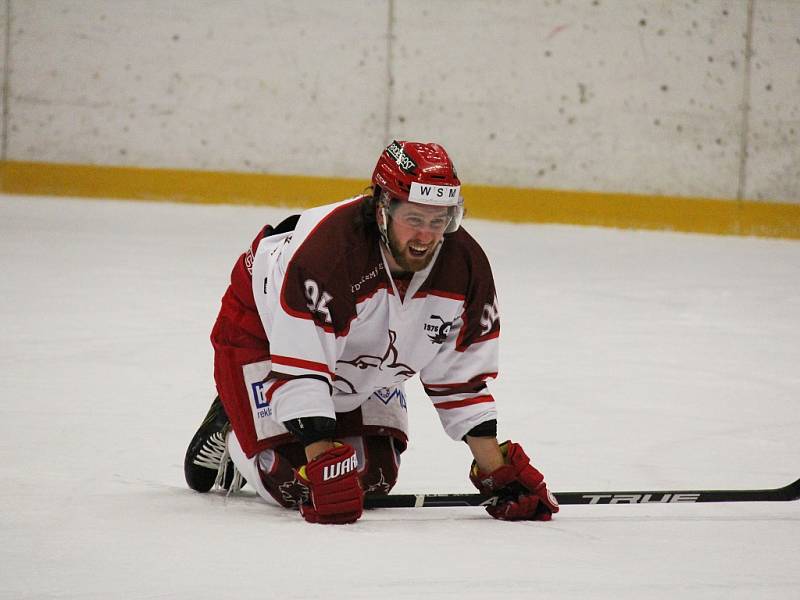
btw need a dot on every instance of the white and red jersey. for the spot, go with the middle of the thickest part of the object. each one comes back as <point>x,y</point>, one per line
<point>337,330</point>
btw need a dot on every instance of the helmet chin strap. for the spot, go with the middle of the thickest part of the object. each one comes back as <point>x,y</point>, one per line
<point>383,229</point>
<point>383,222</point>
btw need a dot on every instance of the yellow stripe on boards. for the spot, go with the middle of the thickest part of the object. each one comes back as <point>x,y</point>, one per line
<point>520,205</point>
<point>173,185</point>
<point>612,210</point>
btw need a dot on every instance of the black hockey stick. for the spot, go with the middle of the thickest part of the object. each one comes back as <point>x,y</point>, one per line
<point>788,492</point>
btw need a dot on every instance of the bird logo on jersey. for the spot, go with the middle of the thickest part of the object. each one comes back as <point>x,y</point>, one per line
<point>387,362</point>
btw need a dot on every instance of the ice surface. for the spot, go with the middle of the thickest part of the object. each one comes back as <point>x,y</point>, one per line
<point>629,360</point>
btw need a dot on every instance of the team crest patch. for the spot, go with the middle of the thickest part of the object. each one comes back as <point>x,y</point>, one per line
<point>437,329</point>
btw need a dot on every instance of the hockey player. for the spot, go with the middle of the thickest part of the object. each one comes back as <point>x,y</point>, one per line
<point>326,316</point>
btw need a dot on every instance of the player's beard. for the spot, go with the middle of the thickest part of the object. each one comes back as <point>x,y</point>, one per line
<point>404,257</point>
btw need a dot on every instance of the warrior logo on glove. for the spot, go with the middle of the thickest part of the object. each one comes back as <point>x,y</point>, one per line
<point>340,468</point>
<point>335,490</point>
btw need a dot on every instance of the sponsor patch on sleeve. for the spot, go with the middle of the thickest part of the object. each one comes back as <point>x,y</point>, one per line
<point>254,377</point>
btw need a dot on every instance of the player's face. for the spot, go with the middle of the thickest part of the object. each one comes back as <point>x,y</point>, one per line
<point>415,230</point>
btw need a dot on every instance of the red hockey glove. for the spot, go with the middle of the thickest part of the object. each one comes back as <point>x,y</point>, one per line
<point>521,492</point>
<point>335,491</point>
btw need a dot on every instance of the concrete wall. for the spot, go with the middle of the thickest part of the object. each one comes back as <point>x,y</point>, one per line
<point>650,97</point>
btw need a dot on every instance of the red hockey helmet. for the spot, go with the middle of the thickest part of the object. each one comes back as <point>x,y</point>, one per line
<point>421,173</point>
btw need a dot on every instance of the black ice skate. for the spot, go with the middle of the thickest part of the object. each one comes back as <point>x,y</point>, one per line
<point>207,462</point>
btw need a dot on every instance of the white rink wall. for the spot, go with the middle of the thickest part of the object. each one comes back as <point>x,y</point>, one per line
<point>635,96</point>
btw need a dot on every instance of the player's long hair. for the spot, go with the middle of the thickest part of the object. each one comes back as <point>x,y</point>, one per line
<point>366,219</point>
